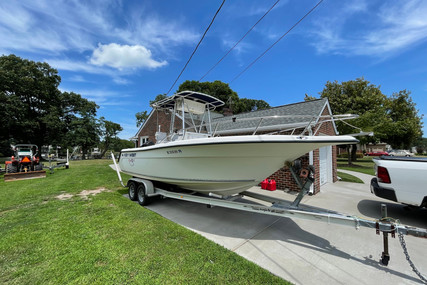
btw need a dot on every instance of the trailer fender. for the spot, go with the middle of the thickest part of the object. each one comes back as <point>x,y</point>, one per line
<point>149,187</point>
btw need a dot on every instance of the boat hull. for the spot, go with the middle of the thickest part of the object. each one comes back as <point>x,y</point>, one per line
<point>223,166</point>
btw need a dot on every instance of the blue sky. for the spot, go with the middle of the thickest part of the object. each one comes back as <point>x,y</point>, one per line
<point>121,54</point>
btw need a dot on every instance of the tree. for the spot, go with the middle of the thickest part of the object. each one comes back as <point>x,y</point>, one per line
<point>34,110</point>
<point>158,98</point>
<point>421,144</point>
<point>31,96</point>
<point>217,89</point>
<point>223,92</point>
<point>357,97</point>
<point>141,117</point>
<point>309,98</point>
<point>120,144</point>
<point>84,132</point>
<point>394,119</point>
<point>249,105</point>
<point>403,125</point>
<point>109,131</point>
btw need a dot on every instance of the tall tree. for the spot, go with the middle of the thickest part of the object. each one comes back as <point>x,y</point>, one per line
<point>403,125</point>
<point>120,144</point>
<point>109,131</point>
<point>358,97</point>
<point>217,89</point>
<point>222,91</point>
<point>141,117</point>
<point>31,96</point>
<point>34,109</point>
<point>84,132</point>
<point>158,98</point>
<point>394,119</point>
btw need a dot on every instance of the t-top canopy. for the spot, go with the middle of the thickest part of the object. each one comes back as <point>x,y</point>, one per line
<point>169,103</point>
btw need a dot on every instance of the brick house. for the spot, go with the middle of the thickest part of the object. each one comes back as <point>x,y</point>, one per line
<point>298,116</point>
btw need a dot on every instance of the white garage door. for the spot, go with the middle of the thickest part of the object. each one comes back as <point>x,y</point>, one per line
<point>325,164</point>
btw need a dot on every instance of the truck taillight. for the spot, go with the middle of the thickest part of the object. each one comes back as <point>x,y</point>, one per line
<point>382,174</point>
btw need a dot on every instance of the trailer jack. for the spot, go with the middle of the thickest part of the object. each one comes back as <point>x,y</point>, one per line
<point>385,256</point>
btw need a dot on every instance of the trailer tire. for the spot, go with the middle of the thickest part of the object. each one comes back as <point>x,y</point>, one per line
<point>11,168</point>
<point>141,195</point>
<point>38,167</point>
<point>132,190</point>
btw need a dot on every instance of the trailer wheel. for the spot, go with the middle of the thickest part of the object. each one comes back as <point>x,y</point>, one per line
<point>11,168</point>
<point>132,191</point>
<point>141,196</point>
<point>39,167</point>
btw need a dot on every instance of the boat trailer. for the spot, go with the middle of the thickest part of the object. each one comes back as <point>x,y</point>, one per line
<point>142,190</point>
<point>58,163</point>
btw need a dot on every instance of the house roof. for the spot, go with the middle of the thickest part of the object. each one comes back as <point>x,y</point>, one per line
<point>297,115</point>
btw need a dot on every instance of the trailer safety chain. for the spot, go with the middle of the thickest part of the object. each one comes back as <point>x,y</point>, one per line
<point>408,258</point>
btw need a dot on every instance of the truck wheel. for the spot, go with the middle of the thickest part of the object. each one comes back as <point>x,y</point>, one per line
<point>141,196</point>
<point>38,167</point>
<point>11,168</point>
<point>132,191</point>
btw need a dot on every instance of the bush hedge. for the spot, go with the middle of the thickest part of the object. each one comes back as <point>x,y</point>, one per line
<point>345,155</point>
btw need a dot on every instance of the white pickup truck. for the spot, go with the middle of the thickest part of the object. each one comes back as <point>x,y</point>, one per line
<point>401,179</point>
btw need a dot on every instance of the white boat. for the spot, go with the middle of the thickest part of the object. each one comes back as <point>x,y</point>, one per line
<point>193,158</point>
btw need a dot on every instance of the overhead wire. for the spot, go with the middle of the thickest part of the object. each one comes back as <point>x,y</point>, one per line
<point>188,61</point>
<point>253,62</point>
<point>226,54</point>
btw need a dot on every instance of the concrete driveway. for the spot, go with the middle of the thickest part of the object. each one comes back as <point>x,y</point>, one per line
<point>307,252</point>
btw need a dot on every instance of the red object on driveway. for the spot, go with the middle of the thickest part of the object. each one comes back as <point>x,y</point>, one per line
<point>264,184</point>
<point>271,186</point>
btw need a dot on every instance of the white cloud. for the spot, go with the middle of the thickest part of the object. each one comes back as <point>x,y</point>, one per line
<point>124,56</point>
<point>154,32</point>
<point>379,31</point>
<point>257,8</point>
<point>77,78</point>
<point>74,28</point>
<point>121,81</point>
<point>74,65</point>
<point>104,97</point>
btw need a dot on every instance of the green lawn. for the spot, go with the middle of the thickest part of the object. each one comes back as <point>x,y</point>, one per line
<point>103,239</point>
<point>348,177</point>
<point>364,165</point>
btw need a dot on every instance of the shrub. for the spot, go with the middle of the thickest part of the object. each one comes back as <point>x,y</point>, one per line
<point>345,155</point>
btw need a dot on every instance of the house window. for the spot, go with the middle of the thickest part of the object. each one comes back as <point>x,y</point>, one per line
<point>143,140</point>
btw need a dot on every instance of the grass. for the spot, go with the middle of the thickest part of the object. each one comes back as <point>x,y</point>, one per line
<point>104,239</point>
<point>363,165</point>
<point>348,177</point>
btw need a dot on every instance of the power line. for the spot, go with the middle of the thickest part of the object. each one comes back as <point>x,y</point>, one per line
<point>207,29</point>
<point>253,62</point>
<point>239,41</point>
